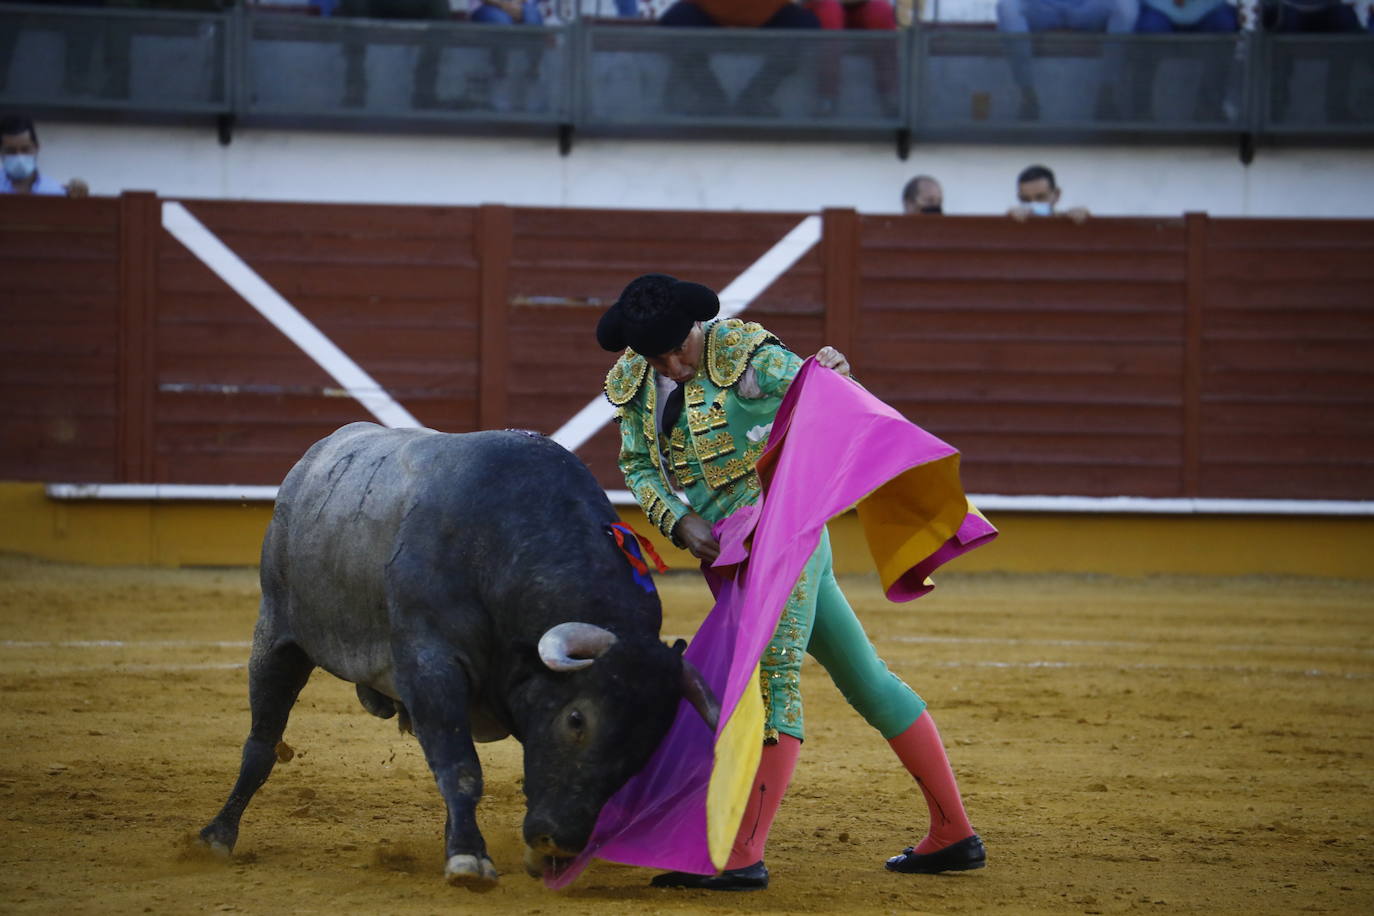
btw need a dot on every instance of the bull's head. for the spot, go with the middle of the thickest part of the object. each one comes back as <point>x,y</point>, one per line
<point>594,726</point>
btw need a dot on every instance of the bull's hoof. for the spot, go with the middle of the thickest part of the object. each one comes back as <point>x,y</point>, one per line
<point>217,845</point>
<point>476,873</point>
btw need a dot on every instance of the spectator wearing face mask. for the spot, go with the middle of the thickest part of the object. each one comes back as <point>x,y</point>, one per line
<point>1038,195</point>
<point>923,194</point>
<point>19,152</point>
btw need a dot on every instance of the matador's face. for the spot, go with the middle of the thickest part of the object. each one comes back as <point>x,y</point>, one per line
<point>680,363</point>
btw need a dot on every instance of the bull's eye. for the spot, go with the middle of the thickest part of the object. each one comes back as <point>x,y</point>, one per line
<point>575,720</point>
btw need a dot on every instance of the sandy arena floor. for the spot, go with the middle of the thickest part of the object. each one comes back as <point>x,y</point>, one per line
<point>1159,745</point>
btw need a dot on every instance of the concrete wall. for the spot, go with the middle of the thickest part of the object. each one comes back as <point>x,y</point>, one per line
<point>698,175</point>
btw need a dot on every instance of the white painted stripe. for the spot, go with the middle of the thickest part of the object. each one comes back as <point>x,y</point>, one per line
<point>1152,506</point>
<point>1241,670</point>
<point>1244,670</point>
<point>1121,644</point>
<point>162,491</point>
<point>230,268</point>
<point>1137,505</point>
<point>734,299</point>
<point>760,275</point>
<point>122,644</point>
<point>124,669</point>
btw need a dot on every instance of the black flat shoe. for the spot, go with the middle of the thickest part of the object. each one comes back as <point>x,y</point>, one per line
<point>749,878</point>
<point>965,855</point>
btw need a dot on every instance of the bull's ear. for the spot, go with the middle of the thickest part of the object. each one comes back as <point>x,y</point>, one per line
<point>680,646</point>
<point>700,695</point>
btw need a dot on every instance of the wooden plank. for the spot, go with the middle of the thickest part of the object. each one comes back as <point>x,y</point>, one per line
<point>1027,266</point>
<point>954,323</point>
<point>315,220</point>
<point>1012,387</point>
<point>975,293</point>
<point>72,217</point>
<point>1286,357</point>
<point>1269,265</point>
<point>1191,369</point>
<point>1286,236</point>
<point>840,256</point>
<point>998,236</point>
<point>1020,478</point>
<point>959,418</point>
<point>85,276</point>
<point>495,241</point>
<point>139,227</point>
<point>1300,480</point>
<point>1059,357</point>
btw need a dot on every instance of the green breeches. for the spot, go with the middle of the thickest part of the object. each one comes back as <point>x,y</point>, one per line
<point>818,619</point>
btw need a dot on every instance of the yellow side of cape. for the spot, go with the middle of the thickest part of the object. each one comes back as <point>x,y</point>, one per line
<point>913,515</point>
<point>732,773</point>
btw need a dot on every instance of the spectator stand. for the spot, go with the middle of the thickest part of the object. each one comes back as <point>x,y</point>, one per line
<point>339,72</point>
<point>590,70</point>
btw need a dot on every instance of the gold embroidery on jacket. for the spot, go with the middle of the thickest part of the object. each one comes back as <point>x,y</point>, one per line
<point>625,378</point>
<point>715,445</point>
<point>730,343</point>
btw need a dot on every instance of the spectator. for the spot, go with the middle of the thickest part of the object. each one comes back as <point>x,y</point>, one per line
<point>1038,194</point>
<point>923,194</point>
<point>853,14</point>
<point>693,87</point>
<point>78,52</point>
<point>1312,16</point>
<point>1114,17</point>
<point>423,92</point>
<point>1158,17</point>
<point>858,14</point>
<point>508,12</point>
<point>1321,16</point>
<point>19,151</point>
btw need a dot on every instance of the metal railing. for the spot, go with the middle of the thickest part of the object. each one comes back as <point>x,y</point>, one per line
<point>244,66</point>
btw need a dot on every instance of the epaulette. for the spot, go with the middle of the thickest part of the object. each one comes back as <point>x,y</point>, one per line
<point>730,344</point>
<point>625,378</point>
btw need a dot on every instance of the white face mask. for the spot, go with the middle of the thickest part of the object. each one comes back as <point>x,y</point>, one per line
<point>1040,208</point>
<point>20,166</point>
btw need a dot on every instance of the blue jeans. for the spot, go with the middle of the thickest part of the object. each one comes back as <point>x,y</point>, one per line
<point>1221,19</point>
<point>494,15</point>
<point>1112,16</point>
<point>1073,15</point>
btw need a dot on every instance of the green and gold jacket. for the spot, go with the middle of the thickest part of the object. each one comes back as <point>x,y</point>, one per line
<point>721,433</point>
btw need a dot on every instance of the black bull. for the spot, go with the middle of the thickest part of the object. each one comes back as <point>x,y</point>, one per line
<point>470,584</point>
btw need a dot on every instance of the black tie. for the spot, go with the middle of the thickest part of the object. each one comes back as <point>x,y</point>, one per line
<point>672,409</point>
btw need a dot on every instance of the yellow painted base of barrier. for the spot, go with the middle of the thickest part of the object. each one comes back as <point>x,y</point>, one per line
<point>176,533</point>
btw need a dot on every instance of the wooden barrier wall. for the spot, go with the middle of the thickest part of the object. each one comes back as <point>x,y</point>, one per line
<point>1152,357</point>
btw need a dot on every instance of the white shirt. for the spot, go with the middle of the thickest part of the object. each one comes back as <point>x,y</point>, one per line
<point>41,185</point>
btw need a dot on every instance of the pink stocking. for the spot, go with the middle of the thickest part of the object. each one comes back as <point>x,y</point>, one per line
<point>770,784</point>
<point>921,752</point>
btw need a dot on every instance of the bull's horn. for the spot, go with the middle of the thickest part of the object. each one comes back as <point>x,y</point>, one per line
<point>700,695</point>
<point>572,646</point>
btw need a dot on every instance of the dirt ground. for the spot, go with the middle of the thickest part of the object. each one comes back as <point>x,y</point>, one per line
<point>1147,745</point>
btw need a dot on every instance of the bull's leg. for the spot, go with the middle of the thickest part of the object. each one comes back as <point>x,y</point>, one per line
<point>276,675</point>
<point>434,688</point>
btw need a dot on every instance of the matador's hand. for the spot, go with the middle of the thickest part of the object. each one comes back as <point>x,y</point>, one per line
<point>695,534</point>
<point>831,358</point>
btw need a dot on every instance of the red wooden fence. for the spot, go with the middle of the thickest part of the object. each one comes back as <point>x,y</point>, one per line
<point>1150,357</point>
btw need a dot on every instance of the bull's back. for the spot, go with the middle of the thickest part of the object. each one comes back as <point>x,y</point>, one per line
<point>334,528</point>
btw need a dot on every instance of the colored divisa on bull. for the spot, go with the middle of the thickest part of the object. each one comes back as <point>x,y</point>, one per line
<point>469,583</point>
